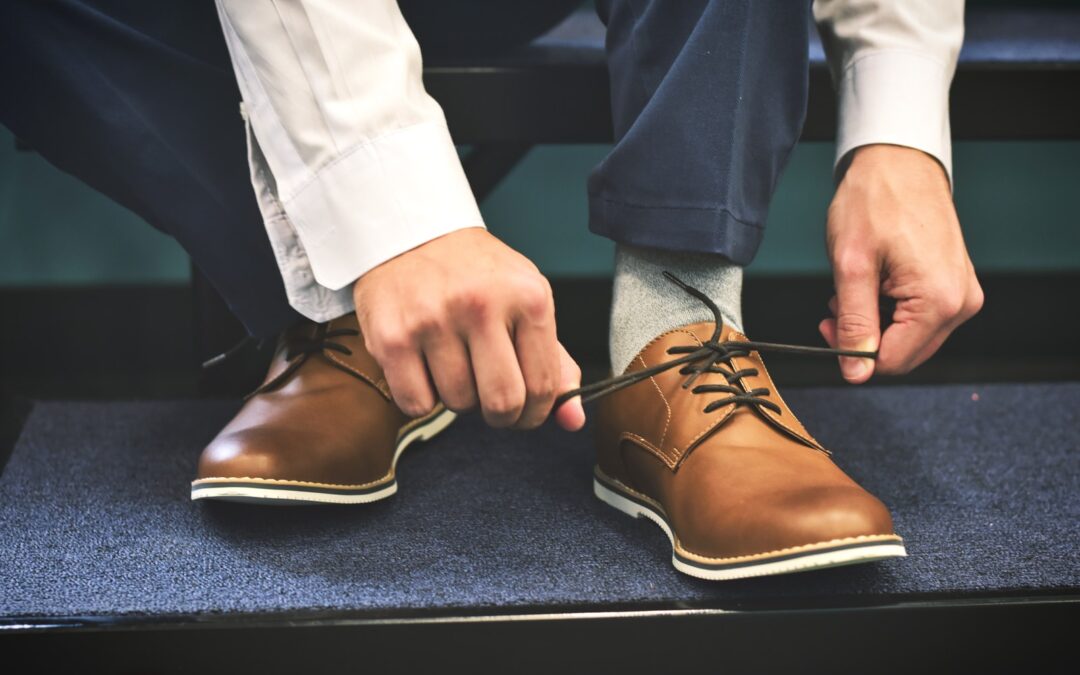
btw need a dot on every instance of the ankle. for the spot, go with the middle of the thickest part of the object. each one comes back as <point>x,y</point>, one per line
<point>645,304</point>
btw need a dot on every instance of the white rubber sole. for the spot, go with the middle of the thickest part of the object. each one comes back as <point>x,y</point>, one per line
<point>283,492</point>
<point>846,553</point>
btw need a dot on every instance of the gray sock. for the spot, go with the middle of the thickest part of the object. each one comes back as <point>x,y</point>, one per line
<point>645,304</point>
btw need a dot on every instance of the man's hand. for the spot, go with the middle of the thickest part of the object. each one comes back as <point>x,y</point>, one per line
<point>892,230</point>
<point>467,320</point>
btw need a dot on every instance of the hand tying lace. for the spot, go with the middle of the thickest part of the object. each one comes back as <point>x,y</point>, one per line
<point>708,358</point>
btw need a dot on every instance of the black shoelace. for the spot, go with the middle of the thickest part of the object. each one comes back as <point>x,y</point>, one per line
<point>299,349</point>
<point>708,358</point>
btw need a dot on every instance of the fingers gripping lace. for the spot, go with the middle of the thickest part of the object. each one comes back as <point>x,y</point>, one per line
<point>709,357</point>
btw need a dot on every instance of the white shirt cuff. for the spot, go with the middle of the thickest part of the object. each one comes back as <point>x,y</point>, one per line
<point>379,199</point>
<point>897,97</point>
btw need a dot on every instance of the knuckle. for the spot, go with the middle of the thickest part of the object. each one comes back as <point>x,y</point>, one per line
<point>541,390</point>
<point>386,345</point>
<point>950,304</point>
<point>424,324</point>
<point>499,408</point>
<point>415,405</point>
<point>975,301</point>
<point>472,303</point>
<point>541,387</point>
<point>459,400</point>
<point>851,325</point>
<point>504,404</point>
<point>532,423</point>
<point>853,263</point>
<point>536,298</point>
<point>575,371</point>
<point>371,346</point>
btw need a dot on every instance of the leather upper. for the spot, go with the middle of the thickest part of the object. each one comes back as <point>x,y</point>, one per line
<point>321,425</point>
<point>737,481</point>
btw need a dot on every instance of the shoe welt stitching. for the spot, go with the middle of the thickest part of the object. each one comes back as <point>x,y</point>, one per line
<point>626,488</point>
<point>791,549</point>
<point>384,387</point>
<point>670,462</point>
<point>667,422</point>
<point>367,378</point>
<point>656,339</point>
<point>298,483</point>
<point>439,409</point>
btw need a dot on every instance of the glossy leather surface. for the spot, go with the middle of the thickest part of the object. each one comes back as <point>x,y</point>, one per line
<point>738,481</point>
<point>323,425</point>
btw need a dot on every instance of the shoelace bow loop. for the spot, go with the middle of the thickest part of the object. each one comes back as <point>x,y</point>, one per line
<point>707,358</point>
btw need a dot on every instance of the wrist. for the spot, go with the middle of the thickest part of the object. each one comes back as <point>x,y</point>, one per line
<point>879,159</point>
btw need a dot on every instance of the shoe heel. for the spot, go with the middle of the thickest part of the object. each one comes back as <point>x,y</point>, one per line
<point>614,499</point>
<point>611,497</point>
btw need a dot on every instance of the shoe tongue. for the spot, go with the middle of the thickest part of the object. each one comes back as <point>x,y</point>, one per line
<point>704,330</point>
<point>347,320</point>
<point>694,334</point>
<point>356,361</point>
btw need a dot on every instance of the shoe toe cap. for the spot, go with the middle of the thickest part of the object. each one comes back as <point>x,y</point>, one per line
<point>797,518</point>
<point>243,454</point>
<point>824,514</point>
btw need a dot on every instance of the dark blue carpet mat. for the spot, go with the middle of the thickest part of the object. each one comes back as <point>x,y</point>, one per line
<point>984,482</point>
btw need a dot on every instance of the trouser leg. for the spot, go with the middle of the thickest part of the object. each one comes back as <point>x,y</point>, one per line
<point>708,100</point>
<point>451,29</point>
<point>139,101</point>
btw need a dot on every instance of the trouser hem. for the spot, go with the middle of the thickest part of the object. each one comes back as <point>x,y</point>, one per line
<point>676,228</point>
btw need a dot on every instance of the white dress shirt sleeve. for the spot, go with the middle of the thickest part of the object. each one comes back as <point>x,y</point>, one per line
<point>892,62</point>
<point>351,159</point>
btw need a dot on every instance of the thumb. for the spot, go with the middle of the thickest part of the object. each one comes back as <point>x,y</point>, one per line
<point>570,415</point>
<point>857,324</point>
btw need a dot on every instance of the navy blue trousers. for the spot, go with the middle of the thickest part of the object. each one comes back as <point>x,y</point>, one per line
<point>138,100</point>
<point>708,99</point>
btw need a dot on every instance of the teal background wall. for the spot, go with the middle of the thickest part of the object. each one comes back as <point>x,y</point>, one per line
<point>1019,204</point>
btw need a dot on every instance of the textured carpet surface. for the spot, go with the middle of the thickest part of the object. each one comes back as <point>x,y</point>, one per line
<point>984,482</point>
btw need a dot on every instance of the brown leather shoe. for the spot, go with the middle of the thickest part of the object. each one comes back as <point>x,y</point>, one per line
<point>321,428</point>
<point>704,446</point>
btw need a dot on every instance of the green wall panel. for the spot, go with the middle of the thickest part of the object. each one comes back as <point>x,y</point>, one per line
<point>1017,202</point>
<point>55,230</point>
